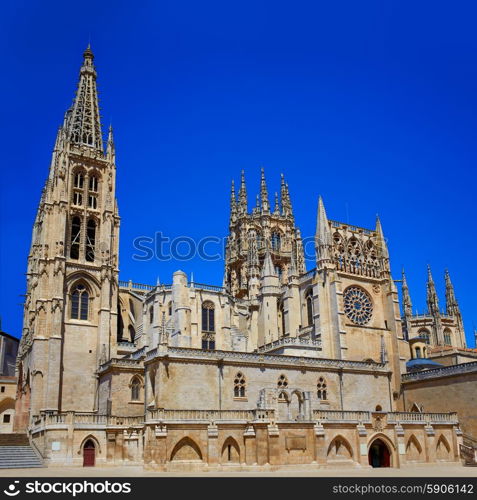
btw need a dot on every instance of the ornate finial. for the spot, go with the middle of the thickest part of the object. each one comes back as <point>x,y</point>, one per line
<point>277,204</point>
<point>88,52</point>
<point>264,192</point>
<point>83,122</point>
<point>243,194</point>
<point>233,203</point>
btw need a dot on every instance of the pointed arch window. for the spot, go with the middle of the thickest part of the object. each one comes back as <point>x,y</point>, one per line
<point>321,389</point>
<point>79,180</point>
<point>79,303</point>
<point>447,337</point>
<point>309,306</point>
<point>208,317</point>
<point>276,241</point>
<point>93,183</point>
<point>135,389</point>
<point>90,240</point>
<point>77,198</point>
<point>75,237</point>
<point>151,315</point>
<point>239,386</point>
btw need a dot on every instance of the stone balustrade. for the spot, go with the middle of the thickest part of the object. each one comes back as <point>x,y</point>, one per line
<point>78,419</point>
<point>290,341</point>
<point>341,416</point>
<point>135,286</point>
<point>162,414</point>
<point>426,418</point>
<point>445,371</point>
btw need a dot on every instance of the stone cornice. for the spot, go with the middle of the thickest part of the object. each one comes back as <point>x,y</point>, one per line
<point>254,359</point>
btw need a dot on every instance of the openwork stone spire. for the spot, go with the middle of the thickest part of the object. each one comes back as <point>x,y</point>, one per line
<point>452,307</point>
<point>243,195</point>
<point>323,236</point>
<point>264,192</point>
<point>84,124</point>
<point>406,297</point>
<point>432,298</point>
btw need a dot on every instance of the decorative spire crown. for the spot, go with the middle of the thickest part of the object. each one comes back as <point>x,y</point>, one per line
<point>84,123</point>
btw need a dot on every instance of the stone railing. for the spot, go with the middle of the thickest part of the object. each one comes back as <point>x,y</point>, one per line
<point>427,418</point>
<point>203,286</point>
<point>254,357</point>
<point>309,274</point>
<point>289,341</point>
<point>47,419</point>
<point>306,330</point>
<point>392,417</point>
<point>440,372</point>
<point>355,229</point>
<point>127,345</point>
<point>162,414</point>
<point>89,418</point>
<point>341,416</point>
<point>135,286</point>
<point>138,354</point>
<point>121,363</point>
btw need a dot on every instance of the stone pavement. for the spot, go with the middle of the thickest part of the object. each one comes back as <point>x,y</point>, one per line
<point>440,470</point>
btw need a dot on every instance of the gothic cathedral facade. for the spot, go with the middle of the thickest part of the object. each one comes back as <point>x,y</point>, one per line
<point>277,366</point>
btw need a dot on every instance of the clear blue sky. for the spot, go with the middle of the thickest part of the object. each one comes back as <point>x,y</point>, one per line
<point>371,104</point>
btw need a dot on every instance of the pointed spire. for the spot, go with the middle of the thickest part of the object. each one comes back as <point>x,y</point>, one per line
<point>277,205</point>
<point>432,298</point>
<point>300,253</point>
<point>268,268</point>
<point>407,307</point>
<point>322,236</point>
<point>110,148</point>
<point>233,203</point>
<point>380,239</point>
<point>452,307</point>
<point>243,195</point>
<point>264,192</point>
<point>406,297</point>
<point>84,123</point>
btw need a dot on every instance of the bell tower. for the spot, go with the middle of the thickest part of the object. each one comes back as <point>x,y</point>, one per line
<point>267,229</point>
<point>70,310</point>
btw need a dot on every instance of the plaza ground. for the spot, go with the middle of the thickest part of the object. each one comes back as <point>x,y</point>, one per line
<point>440,470</point>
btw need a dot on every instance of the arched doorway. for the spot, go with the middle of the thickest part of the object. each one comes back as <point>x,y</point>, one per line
<point>89,453</point>
<point>379,455</point>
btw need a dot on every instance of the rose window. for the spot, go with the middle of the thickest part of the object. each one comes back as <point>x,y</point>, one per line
<point>357,305</point>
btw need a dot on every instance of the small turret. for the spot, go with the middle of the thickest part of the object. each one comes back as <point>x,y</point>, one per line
<point>322,236</point>
<point>432,298</point>
<point>242,196</point>
<point>110,148</point>
<point>452,307</point>
<point>407,307</point>
<point>233,204</point>
<point>264,193</point>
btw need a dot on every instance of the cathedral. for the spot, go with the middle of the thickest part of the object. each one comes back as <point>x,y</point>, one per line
<point>278,366</point>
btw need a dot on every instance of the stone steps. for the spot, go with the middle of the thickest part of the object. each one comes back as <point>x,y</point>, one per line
<point>16,452</point>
